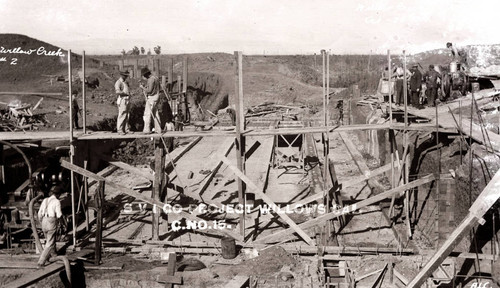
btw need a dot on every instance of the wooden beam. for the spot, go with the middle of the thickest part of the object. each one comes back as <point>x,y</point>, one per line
<point>483,203</point>
<point>127,167</point>
<point>239,281</point>
<point>359,160</point>
<point>35,276</point>
<point>32,93</point>
<point>137,195</point>
<point>169,159</point>
<point>99,200</point>
<point>283,234</point>
<point>379,279</point>
<point>268,201</point>
<point>157,186</point>
<point>240,139</point>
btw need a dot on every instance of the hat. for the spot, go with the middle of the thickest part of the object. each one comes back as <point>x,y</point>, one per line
<point>145,71</point>
<point>74,92</point>
<point>431,66</point>
<point>124,73</point>
<point>414,65</point>
<point>56,190</point>
<point>448,44</point>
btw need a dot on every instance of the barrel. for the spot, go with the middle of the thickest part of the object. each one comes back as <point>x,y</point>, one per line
<point>228,246</point>
<point>453,67</point>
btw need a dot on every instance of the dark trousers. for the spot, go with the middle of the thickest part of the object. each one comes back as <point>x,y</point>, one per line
<point>75,119</point>
<point>432,96</point>
<point>399,92</point>
<point>415,98</point>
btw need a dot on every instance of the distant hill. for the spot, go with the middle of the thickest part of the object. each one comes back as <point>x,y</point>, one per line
<point>27,59</point>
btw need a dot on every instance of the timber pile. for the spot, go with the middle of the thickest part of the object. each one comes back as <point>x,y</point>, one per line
<point>19,117</point>
<point>272,108</point>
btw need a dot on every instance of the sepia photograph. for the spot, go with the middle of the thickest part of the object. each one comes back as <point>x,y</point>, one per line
<point>249,144</point>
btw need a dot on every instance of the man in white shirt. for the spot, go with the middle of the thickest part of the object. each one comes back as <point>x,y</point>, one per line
<point>122,91</point>
<point>48,214</point>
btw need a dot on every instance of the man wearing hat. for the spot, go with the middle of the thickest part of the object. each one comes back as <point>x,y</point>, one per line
<point>415,85</point>
<point>49,214</point>
<point>122,90</point>
<point>152,93</point>
<point>76,108</point>
<point>432,78</point>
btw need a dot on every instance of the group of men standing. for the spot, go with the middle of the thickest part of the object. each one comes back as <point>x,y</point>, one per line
<point>151,93</point>
<point>415,79</point>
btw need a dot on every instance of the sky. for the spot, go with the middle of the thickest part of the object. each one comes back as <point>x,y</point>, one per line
<point>254,26</point>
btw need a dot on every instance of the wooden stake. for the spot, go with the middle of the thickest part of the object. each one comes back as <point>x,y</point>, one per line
<point>99,200</point>
<point>157,187</point>
<point>240,140</point>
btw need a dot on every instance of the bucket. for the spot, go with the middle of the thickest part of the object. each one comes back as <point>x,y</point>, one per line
<point>250,199</point>
<point>228,246</point>
<point>475,87</point>
<point>453,67</point>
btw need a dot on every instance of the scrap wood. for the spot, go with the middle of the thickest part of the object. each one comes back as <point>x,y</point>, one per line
<point>380,277</point>
<point>357,279</point>
<point>138,196</point>
<point>267,200</point>
<point>239,281</point>
<point>287,233</point>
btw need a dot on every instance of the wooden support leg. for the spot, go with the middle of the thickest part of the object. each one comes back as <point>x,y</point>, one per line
<point>99,200</point>
<point>157,187</point>
<point>2,169</point>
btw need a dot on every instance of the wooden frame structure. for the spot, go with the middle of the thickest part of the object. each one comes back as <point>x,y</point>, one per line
<point>398,167</point>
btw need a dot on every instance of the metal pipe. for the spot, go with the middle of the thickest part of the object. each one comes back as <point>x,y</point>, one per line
<point>30,189</point>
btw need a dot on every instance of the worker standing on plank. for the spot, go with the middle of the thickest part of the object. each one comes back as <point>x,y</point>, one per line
<point>432,77</point>
<point>415,86</point>
<point>459,54</point>
<point>152,93</point>
<point>122,91</point>
<point>49,214</point>
<point>76,108</point>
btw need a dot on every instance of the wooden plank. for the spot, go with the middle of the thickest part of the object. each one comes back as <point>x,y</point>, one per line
<point>268,201</point>
<point>128,167</point>
<point>33,93</point>
<point>348,183</point>
<point>35,276</point>
<point>401,277</point>
<point>483,203</point>
<point>283,234</point>
<point>99,200</point>
<point>137,195</point>
<point>170,159</point>
<point>239,281</point>
<point>379,279</point>
<point>359,160</point>
<point>157,187</point>
<point>367,275</point>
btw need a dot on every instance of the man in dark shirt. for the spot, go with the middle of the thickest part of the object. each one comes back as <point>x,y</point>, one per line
<point>76,108</point>
<point>415,86</point>
<point>432,77</point>
<point>152,92</point>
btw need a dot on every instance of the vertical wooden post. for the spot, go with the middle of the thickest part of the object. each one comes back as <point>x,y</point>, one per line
<point>101,63</point>
<point>184,74</point>
<point>158,68</point>
<point>391,132</point>
<point>240,127</point>
<point>170,72</point>
<point>157,187</point>
<point>136,69</point>
<point>324,84</point>
<point>120,64</point>
<point>72,149</point>
<point>326,145</point>
<point>99,200</point>
<point>164,82</point>
<point>390,83</point>
<point>2,168</point>
<point>84,102</point>
<point>405,90</point>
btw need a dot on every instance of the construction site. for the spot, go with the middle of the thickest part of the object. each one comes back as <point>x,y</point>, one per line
<point>282,171</point>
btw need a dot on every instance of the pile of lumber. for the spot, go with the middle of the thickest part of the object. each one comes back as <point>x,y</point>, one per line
<point>271,108</point>
<point>19,116</point>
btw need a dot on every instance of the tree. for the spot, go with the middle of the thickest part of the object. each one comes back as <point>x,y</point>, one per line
<point>135,50</point>
<point>149,51</point>
<point>123,52</point>
<point>157,50</point>
<point>143,51</point>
